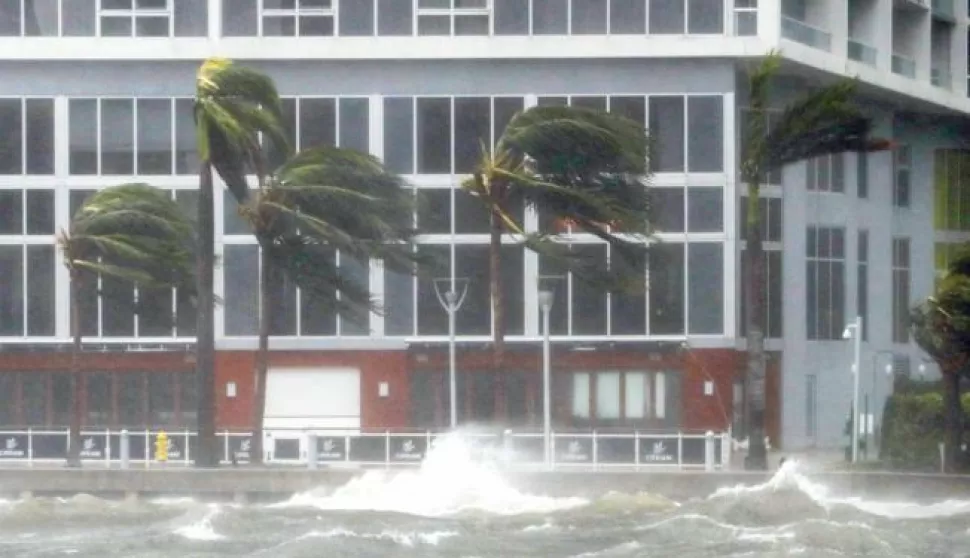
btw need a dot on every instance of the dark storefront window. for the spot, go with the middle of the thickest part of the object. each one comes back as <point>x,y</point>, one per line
<point>8,399</point>
<point>161,399</point>
<point>99,411</point>
<point>34,402</point>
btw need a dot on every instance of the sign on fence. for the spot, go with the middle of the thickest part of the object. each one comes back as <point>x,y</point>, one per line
<point>13,446</point>
<point>408,449</point>
<point>332,448</point>
<point>574,450</point>
<point>94,446</point>
<point>579,449</point>
<point>659,451</point>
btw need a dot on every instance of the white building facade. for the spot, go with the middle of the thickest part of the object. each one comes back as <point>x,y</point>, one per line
<point>98,92</point>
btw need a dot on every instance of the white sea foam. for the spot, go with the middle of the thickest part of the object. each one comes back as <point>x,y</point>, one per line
<point>432,538</point>
<point>202,529</point>
<point>789,478</point>
<point>450,480</point>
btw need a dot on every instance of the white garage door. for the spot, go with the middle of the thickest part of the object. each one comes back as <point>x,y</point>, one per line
<point>312,398</point>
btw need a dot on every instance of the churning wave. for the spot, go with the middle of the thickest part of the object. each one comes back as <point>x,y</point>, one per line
<point>200,529</point>
<point>449,481</point>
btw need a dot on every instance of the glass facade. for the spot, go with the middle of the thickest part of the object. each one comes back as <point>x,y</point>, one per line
<point>432,141</point>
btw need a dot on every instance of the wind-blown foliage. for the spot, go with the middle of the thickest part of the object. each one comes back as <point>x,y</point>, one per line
<point>323,200</point>
<point>822,121</point>
<point>135,233</point>
<point>234,107</point>
<point>941,327</point>
<point>578,165</point>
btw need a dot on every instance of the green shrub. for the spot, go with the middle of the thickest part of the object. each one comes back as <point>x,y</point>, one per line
<point>912,428</point>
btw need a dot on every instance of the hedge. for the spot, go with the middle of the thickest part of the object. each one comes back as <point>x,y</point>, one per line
<point>912,428</point>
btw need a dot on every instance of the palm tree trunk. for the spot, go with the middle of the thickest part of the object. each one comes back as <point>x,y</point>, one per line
<point>266,275</point>
<point>754,286</point>
<point>953,418</point>
<point>74,434</point>
<point>206,454</point>
<point>498,313</point>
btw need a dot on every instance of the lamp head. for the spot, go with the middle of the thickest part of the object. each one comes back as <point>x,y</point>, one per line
<point>545,300</point>
<point>451,297</point>
<point>847,332</point>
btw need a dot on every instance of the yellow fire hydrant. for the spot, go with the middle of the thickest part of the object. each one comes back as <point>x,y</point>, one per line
<point>161,446</point>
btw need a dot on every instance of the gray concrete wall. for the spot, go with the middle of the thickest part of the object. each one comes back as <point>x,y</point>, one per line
<point>277,484</point>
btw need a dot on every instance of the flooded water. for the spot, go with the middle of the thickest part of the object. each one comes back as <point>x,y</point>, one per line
<point>455,507</point>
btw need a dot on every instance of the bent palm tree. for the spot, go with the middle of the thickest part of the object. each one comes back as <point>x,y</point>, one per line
<point>941,327</point>
<point>135,233</point>
<point>320,201</point>
<point>822,122</point>
<point>571,163</point>
<point>233,106</point>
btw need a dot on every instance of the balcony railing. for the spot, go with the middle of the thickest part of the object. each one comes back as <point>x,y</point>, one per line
<point>944,9</point>
<point>861,52</point>
<point>940,77</point>
<point>904,66</point>
<point>804,33</point>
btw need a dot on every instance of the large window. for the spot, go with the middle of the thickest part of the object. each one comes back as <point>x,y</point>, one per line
<point>443,135</point>
<point>27,143</point>
<point>279,18</point>
<point>27,263</point>
<point>613,397</point>
<point>124,136</point>
<point>324,121</point>
<point>107,18</point>
<point>862,281</point>
<point>902,173</point>
<point>700,120</point>
<point>678,17</point>
<point>111,399</point>
<point>295,312</point>
<point>901,283</point>
<point>771,232</point>
<point>111,307</point>
<point>825,267</point>
<point>826,173</point>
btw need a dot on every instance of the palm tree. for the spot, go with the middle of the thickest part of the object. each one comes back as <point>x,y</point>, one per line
<point>135,233</point>
<point>824,121</point>
<point>574,164</point>
<point>234,106</point>
<point>941,327</point>
<point>323,200</point>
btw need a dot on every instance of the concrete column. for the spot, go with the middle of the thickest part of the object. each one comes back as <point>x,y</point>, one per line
<point>769,22</point>
<point>882,34</point>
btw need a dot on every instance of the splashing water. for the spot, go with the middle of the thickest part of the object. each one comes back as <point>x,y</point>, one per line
<point>201,530</point>
<point>802,493</point>
<point>450,480</point>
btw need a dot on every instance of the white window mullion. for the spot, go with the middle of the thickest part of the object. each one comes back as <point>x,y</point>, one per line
<point>137,315</point>
<point>173,136</point>
<point>97,114</point>
<point>376,281</point>
<point>62,217</point>
<point>259,19</point>
<point>134,135</point>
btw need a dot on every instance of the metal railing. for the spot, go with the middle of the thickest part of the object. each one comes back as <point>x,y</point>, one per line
<point>861,52</point>
<point>804,33</point>
<point>903,65</point>
<point>595,450</point>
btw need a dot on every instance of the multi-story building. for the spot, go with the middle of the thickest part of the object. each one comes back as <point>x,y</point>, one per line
<point>98,92</point>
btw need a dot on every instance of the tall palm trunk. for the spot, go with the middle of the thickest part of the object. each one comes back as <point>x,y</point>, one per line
<point>496,228</point>
<point>754,286</point>
<point>952,418</point>
<point>266,275</point>
<point>74,434</point>
<point>206,454</point>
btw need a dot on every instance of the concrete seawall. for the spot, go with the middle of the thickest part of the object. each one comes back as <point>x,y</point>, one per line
<point>278,484</point>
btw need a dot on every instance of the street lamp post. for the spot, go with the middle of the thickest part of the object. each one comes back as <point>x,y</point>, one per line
<point>854,331</point>
<point>545,305</point>
<point>451,301</point>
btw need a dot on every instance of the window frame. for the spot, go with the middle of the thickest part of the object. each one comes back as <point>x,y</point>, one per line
<point>297,13</point>
<point>903,166</point>
<point>134,14</point>
<point>816,261</point>
<point>454,13</point>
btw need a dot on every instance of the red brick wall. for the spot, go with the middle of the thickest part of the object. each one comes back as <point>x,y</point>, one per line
<point>708,412</point>
<point>374,366</point>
